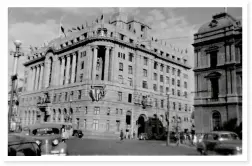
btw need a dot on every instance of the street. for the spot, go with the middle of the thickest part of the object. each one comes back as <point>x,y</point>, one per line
<point>126,147</point>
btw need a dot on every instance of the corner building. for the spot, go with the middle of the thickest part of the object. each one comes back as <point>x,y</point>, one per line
<point>218,73</point>
<point>107,77</point>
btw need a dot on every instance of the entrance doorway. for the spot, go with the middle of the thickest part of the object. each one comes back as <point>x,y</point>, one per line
<point>141,124</point>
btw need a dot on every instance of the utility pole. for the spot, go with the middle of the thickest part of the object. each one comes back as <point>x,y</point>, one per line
<point>16,54</point>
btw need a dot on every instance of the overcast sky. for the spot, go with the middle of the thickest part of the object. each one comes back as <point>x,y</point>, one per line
<point>33,26</point>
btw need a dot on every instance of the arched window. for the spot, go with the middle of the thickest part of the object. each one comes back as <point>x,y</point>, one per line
<point>59,115</point>
<point>216,119</point>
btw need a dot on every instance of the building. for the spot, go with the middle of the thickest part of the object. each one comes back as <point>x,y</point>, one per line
<point>218,73</point>
<point>106,77</point>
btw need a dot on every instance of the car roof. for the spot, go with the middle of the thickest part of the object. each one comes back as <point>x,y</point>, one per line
<point>17,139</point>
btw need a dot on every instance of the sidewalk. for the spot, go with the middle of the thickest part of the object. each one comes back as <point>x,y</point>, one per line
<point>181,145</point>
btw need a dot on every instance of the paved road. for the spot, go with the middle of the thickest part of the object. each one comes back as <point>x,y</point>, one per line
<point>127,147</point>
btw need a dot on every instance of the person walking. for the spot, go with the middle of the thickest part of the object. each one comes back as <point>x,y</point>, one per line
<point>121,135</point>
<point>63,132</point>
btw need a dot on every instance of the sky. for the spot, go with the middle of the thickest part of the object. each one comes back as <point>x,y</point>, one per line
<point>34,26</point>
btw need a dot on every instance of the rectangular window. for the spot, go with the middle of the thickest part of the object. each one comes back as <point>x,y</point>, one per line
<point>118,125</point>
<point>161,78</point>
<point>59,97</point>
<point>121,66</point>
<point>185,94</point>
<point>155,87</point>
<point>179,72</point>
<point>156,103</point>
<point>178,83</point>
<point>121,110</point>
<point>167,80</point>
<point>145,85</point>
<point>66,95</point>
<point>161,67</point>
<point>54,98</point>
<point>107,125</point>
<point>117,111</point>
<point>167,90</point>
<point>173,91</point>
<point>185,107</point>
<point>145,61</point>
<point>130,70</point>
<point>167,69</point>
<point>130,82</point>
<point>162,103</point>
<point>108,111</point>
<point>155,76</point>
<point>82,65</point>
<point>119,96</point>
<point>173,81</point>
<point>129,98</point>
<point>178,92</point>
<point>185,84</point>
<point>119,54</point>
<point>79,94</point>
<point>120,78</point>
<point>130,56</point>
<point>95,124</point>
<point>155,65</point>
<point>97,110</point>
<point>174,105</point>
<point>213,59</point>
<point>161,89</point>
<point>81,77</point>
<point>173,71</point>
<point>179,107</point>
<point>145,72</point>
<point>123,56</point>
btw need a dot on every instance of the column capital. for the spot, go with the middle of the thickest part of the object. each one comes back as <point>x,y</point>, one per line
<point>94,46</point>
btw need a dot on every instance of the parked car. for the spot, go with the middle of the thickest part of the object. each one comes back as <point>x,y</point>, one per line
<point>77,133</point>
<point>19,145</point>
<point>48,137</point>
<point>220,143</point>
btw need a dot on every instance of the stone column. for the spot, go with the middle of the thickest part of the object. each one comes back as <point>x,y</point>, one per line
<point>229,81</point>
<point>232,56</point>
<point>67,69</point>
<point>62,70</point>
<point>47,73</point>
<point>37,78</point>
<point>41,76</point>
<point>94,63</point>
<point>234,82</point>
<point>106,72</point>
<point>33,77</point>
<point>30,79</point>
<point>227,53</point>
<point>73,68</point>
<point>112,64</point>
<point>57,72</point>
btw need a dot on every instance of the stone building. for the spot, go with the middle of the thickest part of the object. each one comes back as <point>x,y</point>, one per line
<point>218,72</point>
<point>106,77</point>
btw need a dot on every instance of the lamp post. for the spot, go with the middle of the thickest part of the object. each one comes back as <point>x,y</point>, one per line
<point>16,54</point>
<point>167,119</point>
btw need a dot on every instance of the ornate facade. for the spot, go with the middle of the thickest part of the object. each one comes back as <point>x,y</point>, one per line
<point>218,73</point>
<point>105,78</point>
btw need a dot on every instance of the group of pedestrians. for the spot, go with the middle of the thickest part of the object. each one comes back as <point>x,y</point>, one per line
<point>127,135</point>
<point>66,132</point>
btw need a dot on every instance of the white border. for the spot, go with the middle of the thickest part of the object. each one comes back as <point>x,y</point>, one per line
<point>185,3</point>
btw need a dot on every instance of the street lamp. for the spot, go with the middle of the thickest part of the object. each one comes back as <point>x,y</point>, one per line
<point>16,54</point>
<point>167,119</point>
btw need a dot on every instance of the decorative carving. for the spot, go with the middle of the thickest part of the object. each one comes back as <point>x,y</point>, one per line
<point>97,93</point>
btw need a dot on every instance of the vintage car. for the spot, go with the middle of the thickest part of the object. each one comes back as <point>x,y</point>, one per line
<point>48,136</point>
<point>19,145</point>
<point>77,133</point>
<point>220,143</point>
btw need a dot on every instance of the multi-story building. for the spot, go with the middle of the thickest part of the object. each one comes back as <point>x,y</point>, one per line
<point>107,77</point>
<point>218,73</point>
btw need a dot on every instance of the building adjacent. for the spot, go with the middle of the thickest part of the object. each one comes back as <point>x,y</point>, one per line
<point>218,73</point>
<point>106,77</point>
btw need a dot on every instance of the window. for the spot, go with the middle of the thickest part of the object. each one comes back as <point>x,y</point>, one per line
<point>215,88</point>
<point>145,72</point>
<point>119,96</point>
<point>167,69</point>
<point>66,96</point>
<point>216,120</point>
<point>185,84</point>
<point>117,111</point>
<point>161,78</point>
<point>167,80</point>
<point>145,61</point>
<point>173,81</point>
<point>155,87</point>
<point>129,98</point>
<point>82,65</point>
<point>118,125</point>
<point>145,85</point>
<point>107,125</point>
<point>97,110</point>
<point>59,97</point>
<point>123,56</point>
<point>142,28</point>
<point>185,94</point>
<point>178,83</point>
<point>155,76</point>
<point>121,110</point>
<point>120,78</point>
<point>97,77</point>
<point>83,54</point>
<point>130,70</point>
<point>121,66</point>
<point>95,124</point>
<point>185,76</point>
<point>179,72</point>
<point>81,77</point>
<point>178,92</point>
<point>156,103</point>
<point>155,65</point>
<point>161,67</point>
<point>79,94</point>
<point>161,89</point>
<point>54,98</point>
<point>213,59</point>
<point>130,57</point>
<point>173,91</point>
<point>131,41</point>
<point>119,54</point>
<point>173,71</point>
<point>179,107</point>
<point>185,107</point>
<point>167,90</point>
<point>174,105</point>
<point>162,103</point>
<point>121,36</point>
<point>130,81</point>
<point>85,124</point>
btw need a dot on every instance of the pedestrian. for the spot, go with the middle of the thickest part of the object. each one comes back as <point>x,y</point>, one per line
<point>127,133</point>
<point>63,132</point>
<point>134,134</point>
<point>121,135</point>
<point>177,139</point>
